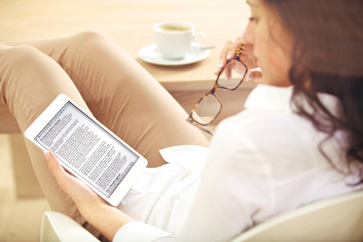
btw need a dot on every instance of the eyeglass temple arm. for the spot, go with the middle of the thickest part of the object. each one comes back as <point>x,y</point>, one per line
<point>240,50</point>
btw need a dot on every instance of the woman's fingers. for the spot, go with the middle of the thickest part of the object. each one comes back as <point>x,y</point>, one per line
<point>57,170</point>
<point>223,57</point>
<point>231,47</point>
<point>77,190</point>
<point>255,75</point>
<point>228,72</point>
<point>249,60</point>
<point>229,50</point>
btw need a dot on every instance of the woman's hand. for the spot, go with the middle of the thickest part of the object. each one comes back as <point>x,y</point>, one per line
<point>82,195</point>
<point>247,57</point>
<point>107,219</point>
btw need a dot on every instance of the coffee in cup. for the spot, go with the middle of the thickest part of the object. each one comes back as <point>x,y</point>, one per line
<point>174,39</point>
<point>173,28</point>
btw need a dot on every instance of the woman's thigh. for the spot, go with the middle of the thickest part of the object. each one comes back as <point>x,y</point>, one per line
<point>29,81</point>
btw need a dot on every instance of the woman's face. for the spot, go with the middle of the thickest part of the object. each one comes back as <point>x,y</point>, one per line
<point>272,44</point>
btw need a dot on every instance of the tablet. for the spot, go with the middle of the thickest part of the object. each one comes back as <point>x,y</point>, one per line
<point>87,149</point>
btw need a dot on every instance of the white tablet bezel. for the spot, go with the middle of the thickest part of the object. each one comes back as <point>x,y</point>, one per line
<point>48,114</point>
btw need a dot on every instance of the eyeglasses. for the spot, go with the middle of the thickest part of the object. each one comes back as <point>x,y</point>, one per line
<point>209,106</point>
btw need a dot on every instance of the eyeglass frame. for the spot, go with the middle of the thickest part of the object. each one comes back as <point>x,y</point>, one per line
<point>212,92</point>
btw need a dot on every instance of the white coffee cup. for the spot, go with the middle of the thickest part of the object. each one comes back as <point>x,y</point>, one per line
<point>174,39</point>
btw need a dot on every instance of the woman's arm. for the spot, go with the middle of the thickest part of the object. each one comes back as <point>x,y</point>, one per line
<point>108,220</point>
<point>232,189</point>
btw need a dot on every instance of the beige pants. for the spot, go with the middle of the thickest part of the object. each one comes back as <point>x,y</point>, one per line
<point>92,70</point>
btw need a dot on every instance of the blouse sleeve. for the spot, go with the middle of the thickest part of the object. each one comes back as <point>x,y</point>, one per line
<point>138,231</point>
<point>235,190</point>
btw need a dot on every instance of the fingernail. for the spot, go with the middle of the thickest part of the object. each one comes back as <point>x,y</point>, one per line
<point>221,63</point>
<point>249,76</point>
<point>229,55</point>
<point>46,154</point>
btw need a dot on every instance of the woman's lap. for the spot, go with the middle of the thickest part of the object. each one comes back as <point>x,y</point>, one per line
<point>91,69</point>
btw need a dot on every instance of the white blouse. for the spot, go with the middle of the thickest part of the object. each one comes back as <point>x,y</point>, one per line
<point>262,162</point>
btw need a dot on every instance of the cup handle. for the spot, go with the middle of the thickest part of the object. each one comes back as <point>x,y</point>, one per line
<point>199,34</point>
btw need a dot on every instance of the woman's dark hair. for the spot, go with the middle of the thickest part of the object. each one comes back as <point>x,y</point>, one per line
<point>327,57</point>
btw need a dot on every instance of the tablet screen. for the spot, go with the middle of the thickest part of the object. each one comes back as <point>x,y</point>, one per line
<point>87,149</point>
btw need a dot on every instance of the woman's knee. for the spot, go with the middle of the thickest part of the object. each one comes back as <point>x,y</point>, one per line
<point>21,56</point>
<point>19,63</point>
<point>89,35</point>
<point>90,39</point>
<point>24,68</point>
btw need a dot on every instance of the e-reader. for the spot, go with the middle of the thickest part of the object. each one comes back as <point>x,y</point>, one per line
<point>87,149</point>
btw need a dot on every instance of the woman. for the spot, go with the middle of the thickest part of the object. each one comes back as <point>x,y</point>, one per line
<point>300,138</point>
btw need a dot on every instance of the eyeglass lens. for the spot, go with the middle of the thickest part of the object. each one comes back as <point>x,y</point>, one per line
<point>209,107</point>
<point>231,75</point>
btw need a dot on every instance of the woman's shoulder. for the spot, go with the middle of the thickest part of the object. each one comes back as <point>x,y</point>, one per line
<point>279,140</point>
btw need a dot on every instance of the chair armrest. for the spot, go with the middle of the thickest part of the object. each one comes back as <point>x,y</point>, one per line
<point>59,227</point>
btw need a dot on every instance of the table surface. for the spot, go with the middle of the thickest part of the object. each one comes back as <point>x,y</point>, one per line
<point>130,23</point>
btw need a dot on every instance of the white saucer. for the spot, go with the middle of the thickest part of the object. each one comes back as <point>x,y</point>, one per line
<point>151,54</point>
